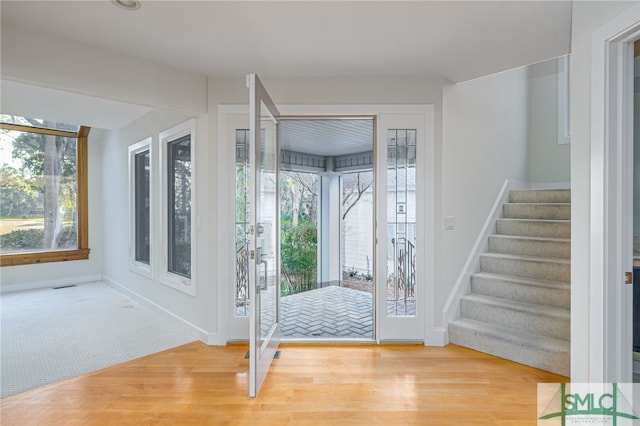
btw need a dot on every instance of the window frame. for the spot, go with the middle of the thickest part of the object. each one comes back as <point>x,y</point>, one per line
<point>83,250</point>
<point>168,278</point>
<point>141,268</point>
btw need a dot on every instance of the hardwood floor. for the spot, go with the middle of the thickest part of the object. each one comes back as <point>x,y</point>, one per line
<point>196,384</point>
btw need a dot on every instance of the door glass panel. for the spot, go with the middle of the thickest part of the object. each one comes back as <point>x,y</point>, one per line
<point>267,225</point>
<point>241,302</point>
<point>401,222</point>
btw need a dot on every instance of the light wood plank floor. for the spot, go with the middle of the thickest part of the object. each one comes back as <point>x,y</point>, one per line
<point>196,384</point>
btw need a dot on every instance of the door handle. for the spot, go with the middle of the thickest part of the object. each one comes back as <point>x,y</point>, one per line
<point>262,285</point>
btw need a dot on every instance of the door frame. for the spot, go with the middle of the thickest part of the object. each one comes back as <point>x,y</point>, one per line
<point>609,325</point>
<point>232,328</point>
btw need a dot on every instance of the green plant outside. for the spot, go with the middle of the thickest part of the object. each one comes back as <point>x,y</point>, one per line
<point>299,261</point>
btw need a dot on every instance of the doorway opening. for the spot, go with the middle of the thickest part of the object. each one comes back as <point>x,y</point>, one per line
<point>327,207</point>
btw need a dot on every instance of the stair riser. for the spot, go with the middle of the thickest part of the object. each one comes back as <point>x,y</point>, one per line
<point>528,322</point>
<point>523,246</point>
<point>533,229</point>
<point>560,297</point>
<point>555,362</point>
<point>553,196</point>
<point>550,271</point>
<point>538,211</point>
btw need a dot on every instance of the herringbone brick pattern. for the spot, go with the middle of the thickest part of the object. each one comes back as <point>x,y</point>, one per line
<point>329,312</point>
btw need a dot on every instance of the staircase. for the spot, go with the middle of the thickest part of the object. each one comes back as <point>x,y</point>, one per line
<point>519,303</point>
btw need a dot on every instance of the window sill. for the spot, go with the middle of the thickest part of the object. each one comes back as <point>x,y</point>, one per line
<point>43,257</point>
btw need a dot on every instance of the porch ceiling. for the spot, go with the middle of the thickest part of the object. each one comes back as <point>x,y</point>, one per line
<point>327,137</point>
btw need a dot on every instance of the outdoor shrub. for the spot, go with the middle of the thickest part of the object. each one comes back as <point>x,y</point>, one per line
<point>299,257</point>
<point>22,239</point>
<point>33,239</point>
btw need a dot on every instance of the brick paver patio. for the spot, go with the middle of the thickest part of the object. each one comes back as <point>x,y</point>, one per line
<point>331,312</point>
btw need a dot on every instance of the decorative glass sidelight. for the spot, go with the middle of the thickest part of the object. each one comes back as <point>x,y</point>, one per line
<point>401,222</point>
<point>241,305</point>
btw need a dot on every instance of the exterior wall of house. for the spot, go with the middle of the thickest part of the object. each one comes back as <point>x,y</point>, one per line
<point>549,162</point>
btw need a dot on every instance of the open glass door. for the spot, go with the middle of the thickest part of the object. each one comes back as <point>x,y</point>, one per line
<point>264,253</point>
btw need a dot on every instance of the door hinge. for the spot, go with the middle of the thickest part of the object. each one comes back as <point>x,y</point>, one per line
<point>628,277</point>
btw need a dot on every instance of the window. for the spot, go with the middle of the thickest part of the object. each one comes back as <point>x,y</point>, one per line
<point>43,190</point>
<point>140,206</point>
<point>401,222</point>
<point>177,207</point>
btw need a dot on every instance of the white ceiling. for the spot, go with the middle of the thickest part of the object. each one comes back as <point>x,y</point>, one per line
<point>455,40</point>
<point>327,137</point>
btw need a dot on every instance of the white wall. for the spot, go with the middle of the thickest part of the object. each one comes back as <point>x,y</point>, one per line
<point>586,17</point>
<point>74,67</point>
<point>15,278</point>
<point>194,312</point>
<point>485,142</point>
<point>549,162</point>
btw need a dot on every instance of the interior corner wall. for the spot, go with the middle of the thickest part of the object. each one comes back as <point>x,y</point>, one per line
<point>485,142</point>
<point>193,313</point>
<point>549,162</point>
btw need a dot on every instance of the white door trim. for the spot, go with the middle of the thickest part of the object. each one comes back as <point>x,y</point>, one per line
<point>229,329</point>
<point>610,310</point>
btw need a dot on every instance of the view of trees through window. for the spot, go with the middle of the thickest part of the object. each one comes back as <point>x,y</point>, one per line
<point>179,205</point>
<point>38,185</point>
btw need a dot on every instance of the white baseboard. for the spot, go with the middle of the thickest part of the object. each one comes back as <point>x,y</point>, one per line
<point>179,322</point>
<point>462,286</point>
<point>439,336</point>
<point>58,282</point>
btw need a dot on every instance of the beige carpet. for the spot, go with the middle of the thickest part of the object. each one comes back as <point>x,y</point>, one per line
<point>50,335</point>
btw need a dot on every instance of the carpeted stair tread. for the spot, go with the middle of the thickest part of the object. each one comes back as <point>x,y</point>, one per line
<point>533,239</point>
<point>544,228</point>
<point>545,353</point>
<point>558,285</point>
<point>531,246</point>
<point>540,196</point>
<point>548,211</point>
<point>527,258</point>
<point>529,290</point>
<point>515,336</point>
<point>532,308</point>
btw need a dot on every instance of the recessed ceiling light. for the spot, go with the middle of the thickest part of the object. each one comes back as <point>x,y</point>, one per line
<point>127,4</point>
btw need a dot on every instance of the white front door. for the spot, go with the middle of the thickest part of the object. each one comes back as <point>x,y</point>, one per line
<point>264,230</point>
